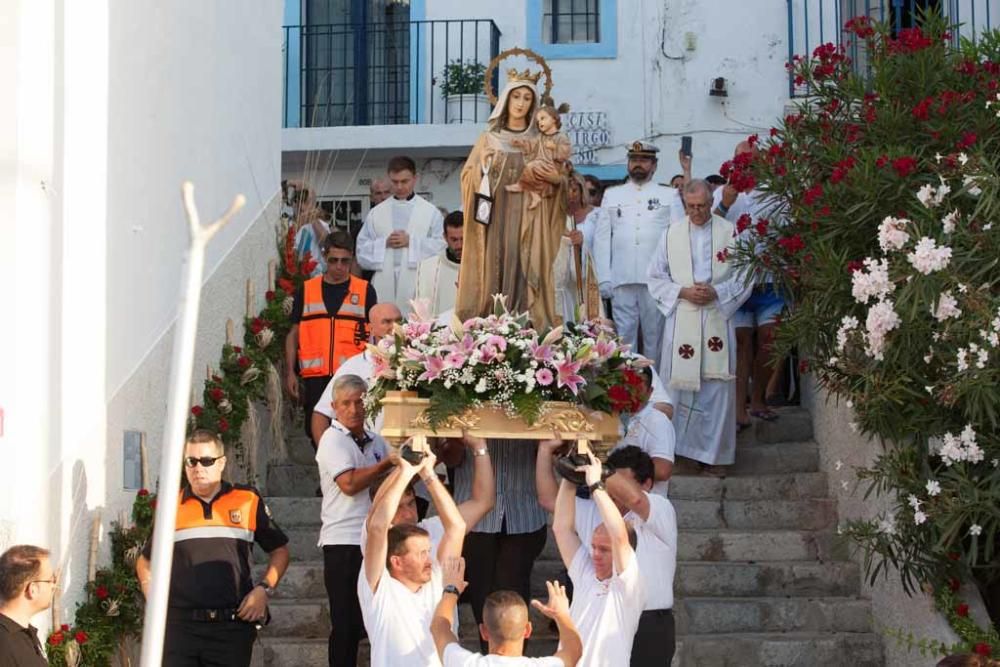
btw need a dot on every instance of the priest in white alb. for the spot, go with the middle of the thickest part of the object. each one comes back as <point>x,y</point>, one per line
<point>437,276</point>
<point>698,290</point>
<point>397,235</point>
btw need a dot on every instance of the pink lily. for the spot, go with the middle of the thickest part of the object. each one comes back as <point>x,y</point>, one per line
<point>568,375</point>
<point>433,368</point>
<point>455,360</point>
<point>541,353</point>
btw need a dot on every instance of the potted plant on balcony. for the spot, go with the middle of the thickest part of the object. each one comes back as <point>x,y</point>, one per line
<point>462,90</point>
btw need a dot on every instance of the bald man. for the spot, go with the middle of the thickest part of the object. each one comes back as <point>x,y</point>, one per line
<point>505,625</point>
<point>381,318</point>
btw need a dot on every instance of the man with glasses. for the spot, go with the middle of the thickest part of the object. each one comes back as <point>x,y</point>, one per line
<point>699,291</point>
<point>27,584</point>
<point>330,316</point>
<point>215,607</point>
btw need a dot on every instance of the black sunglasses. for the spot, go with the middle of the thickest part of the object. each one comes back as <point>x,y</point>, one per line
<point>205,461</point>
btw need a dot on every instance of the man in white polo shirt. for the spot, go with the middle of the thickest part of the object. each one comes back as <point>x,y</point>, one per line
<point>505,626</point>
<point>349,459</point>
<point>608,589</point>
<point>400,582</point>
<point>651,430</point>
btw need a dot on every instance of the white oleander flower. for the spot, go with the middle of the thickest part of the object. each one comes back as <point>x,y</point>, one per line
<point>949,221</point>
<point>892,233</point>
<point>933,487</point>
<point>947,307</point>
<point>928,257</point>
<point>975,529</point>
<point>919,517</point>
<point>872,282</point>
<point>881,320</point>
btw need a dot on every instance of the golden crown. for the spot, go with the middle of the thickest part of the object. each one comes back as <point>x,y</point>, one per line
<point>526,75</point>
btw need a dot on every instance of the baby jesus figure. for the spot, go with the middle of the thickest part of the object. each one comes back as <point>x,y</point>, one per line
<point>549,155</point>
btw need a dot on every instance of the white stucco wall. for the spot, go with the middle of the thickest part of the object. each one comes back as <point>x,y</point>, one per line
<point>114,104</point>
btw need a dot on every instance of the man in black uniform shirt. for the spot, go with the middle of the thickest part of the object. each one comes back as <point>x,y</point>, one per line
<point>27,582</point>
<point>214,605</point>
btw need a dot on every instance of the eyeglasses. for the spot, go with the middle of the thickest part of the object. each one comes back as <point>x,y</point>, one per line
<point>339,260</point>
<point>54,580</point>
<point>591,192</point>
<point>205,461</point>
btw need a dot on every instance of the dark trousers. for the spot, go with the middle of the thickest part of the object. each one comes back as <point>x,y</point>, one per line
<point>341,565</point>
<point>205,644</point>
<point>310,391</point>
<point>499,561</point>
<point>653,645</point>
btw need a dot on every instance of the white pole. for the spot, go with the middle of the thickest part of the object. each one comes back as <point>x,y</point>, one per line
<point>181,369</point>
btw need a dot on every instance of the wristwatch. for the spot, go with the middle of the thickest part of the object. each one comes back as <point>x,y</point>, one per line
<point>452,588</point>
<point>482,451</point>
<point>597,486</point>
<point>267,589</point>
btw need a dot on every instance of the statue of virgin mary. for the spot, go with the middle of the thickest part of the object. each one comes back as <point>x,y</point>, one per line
<point>509,248</point>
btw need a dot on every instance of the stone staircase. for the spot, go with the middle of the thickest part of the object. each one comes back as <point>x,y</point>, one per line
<point>761,578</point>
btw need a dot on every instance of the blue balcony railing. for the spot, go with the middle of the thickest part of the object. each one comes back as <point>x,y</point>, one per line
<point>815,22</point>
<point>388,73</point>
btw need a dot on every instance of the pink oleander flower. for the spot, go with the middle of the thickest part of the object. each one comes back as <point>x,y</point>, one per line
<point>567,375</point>
<point>433,366</point>
<point>543,376</point>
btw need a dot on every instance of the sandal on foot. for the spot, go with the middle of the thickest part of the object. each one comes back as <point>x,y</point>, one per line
<point>764,414</point>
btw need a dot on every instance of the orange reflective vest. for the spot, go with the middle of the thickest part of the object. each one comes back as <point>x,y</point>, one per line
<point>234,516</point>
<point>326,341</point>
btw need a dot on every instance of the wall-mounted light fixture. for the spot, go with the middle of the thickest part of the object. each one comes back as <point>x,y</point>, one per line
<point>718,88</point>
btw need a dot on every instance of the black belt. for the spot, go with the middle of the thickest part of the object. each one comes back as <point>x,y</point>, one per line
<point>203,615</point>
<point>658,612</point>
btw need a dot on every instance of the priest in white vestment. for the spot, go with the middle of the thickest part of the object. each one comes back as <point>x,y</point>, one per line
<point>698,291</point>
<point>437,276</point>
<point>397,235</point>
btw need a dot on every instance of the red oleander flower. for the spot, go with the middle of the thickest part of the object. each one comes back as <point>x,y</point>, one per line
<point>982,649</point>
<point>904,166</point>
<point>80,637</point>
<point>244,362</point>
<point>813,194</point>
<point>101,592</point>
<point>142,493</point>
<point>774,131</point>
<point>64,627</point>
<point>269,295</point>
<point>967,140</point>
<point>308,266</point>
<point>196,410</point>
<point>722,255</point>
<point>881,161</point>
<point>792,244</point>
<point>962,609</point>
<point>761,227</point>
<point>922,110</point>
<point>954,584</point>
<point>743,223</point>
<point>216,394</point>
<point>854,265</point>
<point>56,638</point>
<point>287,285</point>
<point>860,26</point>
<point>223,425</point>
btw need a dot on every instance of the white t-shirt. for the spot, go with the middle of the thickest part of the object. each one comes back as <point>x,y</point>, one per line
<point>456,656</point>
<point>651,431</point>
<point>656,548</point>
<point>399,621</point>
<point>606,612</point>
<point>343,516</point>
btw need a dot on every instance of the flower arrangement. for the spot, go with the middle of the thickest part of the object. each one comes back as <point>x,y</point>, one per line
<point>501,359</point>
<point>112,611</point>
<point>883,223</point>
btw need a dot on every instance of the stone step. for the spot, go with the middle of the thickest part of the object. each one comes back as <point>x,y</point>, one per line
<point>793,424</point>
<point>693,579</point>
<point>785,649</point>
<point>792,486</point>
<point>292,479</point>
<point>733,615</point>
<point>775,458</point>
<point>798,649</point>
<point>805,514</point>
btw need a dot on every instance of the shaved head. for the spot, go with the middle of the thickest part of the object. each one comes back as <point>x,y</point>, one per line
<point>743,147</point>
<point>505,616</point>
<point>381,318</point>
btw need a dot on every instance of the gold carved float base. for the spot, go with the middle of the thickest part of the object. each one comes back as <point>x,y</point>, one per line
<point>403,413</point>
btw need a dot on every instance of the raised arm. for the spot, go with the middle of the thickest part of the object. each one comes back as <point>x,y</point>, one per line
<point>452,574</point>
<point>353,482</point>
<point>380,519</point>
<point>546,484</point>
<point>621,550</point>
<point>557,608</point>
<point>628,493</point>
<point>451,518</point>
<point>484,485</point>
<point>564,522</point>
